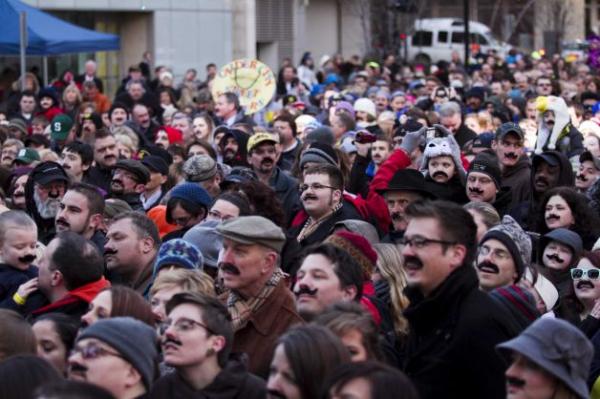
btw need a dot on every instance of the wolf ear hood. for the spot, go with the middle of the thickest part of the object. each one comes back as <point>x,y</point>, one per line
<point>444,146</point>
<point>561,119</point>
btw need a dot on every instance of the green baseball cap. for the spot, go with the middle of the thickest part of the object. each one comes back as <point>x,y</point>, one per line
<point>27,156</point>
<point>60,127</point>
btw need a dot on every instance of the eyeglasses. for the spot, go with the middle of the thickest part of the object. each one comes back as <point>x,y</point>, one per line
<point>498,254</point>
<point>183,221</point>
<point>93,351</point>
<point>420,242</point>
<point>182,326</point>
<point>592,274</point>
<point>314,187</point>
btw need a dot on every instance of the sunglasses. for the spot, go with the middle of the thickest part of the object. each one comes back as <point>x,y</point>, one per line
<point>592,274</point>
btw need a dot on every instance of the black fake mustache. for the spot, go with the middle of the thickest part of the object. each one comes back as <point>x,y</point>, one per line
<point>585,283</point>
<point>18,194</point>
<point>552,217</point>
<point>397,216</point>
<point>475,190</point>
<point>413,262</point>
<point>109,157</point>
<point>229,268</point>
<point>440,173</point>
<point>304,290</point>
<point>267,160</point>
<point>63,222</point>
<point>170,340</point>
<point>488,267</point>
<point>511,155</point>
<point>27,258</point>
<point>582,178</point>
<point>110,252</point>
<point>555,258</point>
<point>309,196</point>
<point>515,382</point>
<point>76,367</point>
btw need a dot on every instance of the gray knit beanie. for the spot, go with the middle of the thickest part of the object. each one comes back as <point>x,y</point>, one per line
<point>515,239</point>
<point>133,339</point>
<point>209,242</point>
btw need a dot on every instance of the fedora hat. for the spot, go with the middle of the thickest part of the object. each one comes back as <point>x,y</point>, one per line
<point>408,180</point>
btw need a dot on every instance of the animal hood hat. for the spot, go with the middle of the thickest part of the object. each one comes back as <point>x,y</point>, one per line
<point>440,146</point>
<point>547,138</point>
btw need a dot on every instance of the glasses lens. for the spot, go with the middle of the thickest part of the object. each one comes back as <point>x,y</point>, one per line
<point>593,274</point>
<point>576,273</point>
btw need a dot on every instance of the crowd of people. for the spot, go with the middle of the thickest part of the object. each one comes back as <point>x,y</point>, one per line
<point>378,230</point>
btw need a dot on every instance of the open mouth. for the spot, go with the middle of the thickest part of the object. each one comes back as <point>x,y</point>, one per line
<point>413,263</point>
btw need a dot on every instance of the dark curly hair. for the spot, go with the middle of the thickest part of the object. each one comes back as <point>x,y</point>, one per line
<point>587,222</point>
<point>569,306</point>
<point>264,202</point>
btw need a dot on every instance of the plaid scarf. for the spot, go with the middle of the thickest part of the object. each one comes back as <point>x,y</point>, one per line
<point>241,309</point>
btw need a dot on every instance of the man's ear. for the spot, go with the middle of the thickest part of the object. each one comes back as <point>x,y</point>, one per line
<point>140,188</point>
<point>349,293</point>
<point>147,244</point>
<point>96,220</point>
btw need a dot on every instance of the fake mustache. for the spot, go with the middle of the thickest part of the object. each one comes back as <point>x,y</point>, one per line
<point>511,155</point>
<point>62,222</point>
<point>18,194</point>
<point>116,181</point>
<point>77,368</point>
<point>275,394</point>
<point>412,262</point>
<point>584,283</point>
<point>440,173</point>
<point>309,197</point>
<point>475,190</point>
<point>229,268</point>
<point>169,340</point>
<point>397,216</point>
<point>27,258</point>
<point>305,290</point>
<point>541,179</point>
<point>552,217</point>
<point>555,258</point>
<point>488,267</point>
<point>582,178</point>
<point>515,382</point>
<point>267,161</point>
<point>108,252</point>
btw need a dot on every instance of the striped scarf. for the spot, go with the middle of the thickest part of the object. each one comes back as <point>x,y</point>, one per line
<point>241,309</point>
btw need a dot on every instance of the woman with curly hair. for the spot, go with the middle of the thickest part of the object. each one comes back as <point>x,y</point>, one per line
<point>564,207</point>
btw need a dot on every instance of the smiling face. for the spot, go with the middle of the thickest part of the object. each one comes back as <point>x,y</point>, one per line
<point>557,256</point>
<point>495,265</point>
<point>18,248</point>
<point>319,198</point>
<point>587,175</point>
<point>587,289</point>
<point>558,214</point>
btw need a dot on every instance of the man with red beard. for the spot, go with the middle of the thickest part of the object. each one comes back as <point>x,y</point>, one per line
<point>262,157</point>
<point>514,162</point>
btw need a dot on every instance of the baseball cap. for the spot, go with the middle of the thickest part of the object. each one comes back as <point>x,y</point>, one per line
<point>60,127</point>
<point>260,138</point>
<point>154,163</point>
<point>509,127</point>
<point>27,156</point>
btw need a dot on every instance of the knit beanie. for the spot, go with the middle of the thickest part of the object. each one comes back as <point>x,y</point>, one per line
<point>322,134</point>
<point>519,303</point>
<point>205,237</point>
<point>319,153</point>
<point>516,240</point>
<point>487,164</point>
<point>199,168</point>
<point>178,252</point>
<point>358,247</point>
<point>133,339</point>
<point>365,105</point>
<point>193,193</point>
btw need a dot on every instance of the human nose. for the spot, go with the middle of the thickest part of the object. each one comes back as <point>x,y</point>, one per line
<point>87,319</point>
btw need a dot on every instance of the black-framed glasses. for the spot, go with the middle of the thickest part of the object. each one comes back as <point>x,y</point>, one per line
<point>93,351</point>
<point>592,274</point>
<point>182,326</point>
<point>314,186</point>
<point>182,221</point>
<point>422,242</point>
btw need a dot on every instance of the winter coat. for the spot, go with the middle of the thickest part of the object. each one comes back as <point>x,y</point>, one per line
<point>453,190</point>
<point>450,350</point>
<point>233,382</point>
<point>286,189</point>
<point>10,280</point>
<point>257,338</point>
<point>518,178</point>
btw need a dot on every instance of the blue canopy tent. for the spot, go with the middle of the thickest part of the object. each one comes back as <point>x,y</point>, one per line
<point>46,34</point>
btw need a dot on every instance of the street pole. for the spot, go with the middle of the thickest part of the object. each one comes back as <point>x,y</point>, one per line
<point>23,43</point>
<point>467,44</point>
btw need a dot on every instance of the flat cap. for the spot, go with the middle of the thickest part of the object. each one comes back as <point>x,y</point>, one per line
<point>136,168</point>
<point>253,230</point>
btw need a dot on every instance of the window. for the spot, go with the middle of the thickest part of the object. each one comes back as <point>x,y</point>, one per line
<point>442,36</point>
<point>458,37</point>
<point>422,38</point>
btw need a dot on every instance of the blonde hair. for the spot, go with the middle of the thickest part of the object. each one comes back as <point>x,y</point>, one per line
<point>188,280</point>
<point>389,264</point>
<point>47,154</point>
<point>72,87</point>
<point>127,137</point>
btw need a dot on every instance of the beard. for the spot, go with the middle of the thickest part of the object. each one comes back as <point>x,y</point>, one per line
<point>47,209</point>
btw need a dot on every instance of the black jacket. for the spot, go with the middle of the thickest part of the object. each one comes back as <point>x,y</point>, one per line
<point>286,189</point>
<point>10,280</point>
<point>450,351</point>
<point>233,382</point>
<point>464,134</point>
<point>99,177</point>
<point>453,190</point>
<point>518,178</point>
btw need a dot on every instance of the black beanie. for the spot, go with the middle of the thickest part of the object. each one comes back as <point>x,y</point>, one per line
<point>488,165</point>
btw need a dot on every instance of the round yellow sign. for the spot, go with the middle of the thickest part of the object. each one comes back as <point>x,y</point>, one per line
<point>251,80</point>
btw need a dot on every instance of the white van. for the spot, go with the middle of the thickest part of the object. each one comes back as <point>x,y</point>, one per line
<point>434,39</point>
